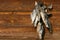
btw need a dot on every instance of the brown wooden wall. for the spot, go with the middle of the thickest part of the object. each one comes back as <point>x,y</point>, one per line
<point>24,5</point>
<point>15,16</point>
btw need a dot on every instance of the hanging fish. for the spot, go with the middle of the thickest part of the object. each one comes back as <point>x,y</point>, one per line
<point>40,17</point>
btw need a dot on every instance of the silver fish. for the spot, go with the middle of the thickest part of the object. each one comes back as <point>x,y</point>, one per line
<point>39,17</point>
<point>40,30</point>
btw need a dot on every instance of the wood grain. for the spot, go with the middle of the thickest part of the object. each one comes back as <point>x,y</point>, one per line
<point>15,22</point>
<point>27,5</point>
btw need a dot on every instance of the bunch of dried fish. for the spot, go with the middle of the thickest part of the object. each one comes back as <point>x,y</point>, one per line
<point>39,17</point>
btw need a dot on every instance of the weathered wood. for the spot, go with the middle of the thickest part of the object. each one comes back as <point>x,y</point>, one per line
<point>27,5</point>
<point>23,19</point>
<point>17,25</point>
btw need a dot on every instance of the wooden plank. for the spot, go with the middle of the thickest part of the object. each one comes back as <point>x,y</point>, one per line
<point>54,12</point>
<point>21,5</point>
<point>20,20</point>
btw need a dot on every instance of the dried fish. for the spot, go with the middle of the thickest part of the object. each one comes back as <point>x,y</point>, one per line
<point>40,17</point>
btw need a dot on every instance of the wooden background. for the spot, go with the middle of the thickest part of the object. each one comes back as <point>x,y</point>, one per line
<point>15,22</point>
